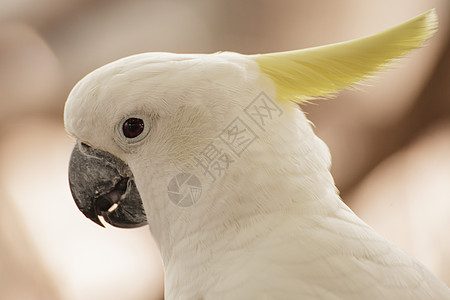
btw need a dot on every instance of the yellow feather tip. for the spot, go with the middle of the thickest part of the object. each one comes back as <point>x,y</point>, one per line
<point>305,74</point>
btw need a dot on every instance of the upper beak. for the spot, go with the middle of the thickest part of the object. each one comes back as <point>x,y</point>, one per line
<point>103,185</point>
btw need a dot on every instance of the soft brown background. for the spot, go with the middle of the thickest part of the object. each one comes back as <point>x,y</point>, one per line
<point>390,141</point>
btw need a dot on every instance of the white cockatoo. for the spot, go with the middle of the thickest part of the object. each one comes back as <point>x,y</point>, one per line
<point>213,152</point>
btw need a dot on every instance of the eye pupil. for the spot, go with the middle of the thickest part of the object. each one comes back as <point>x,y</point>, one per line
<point>133,127</point>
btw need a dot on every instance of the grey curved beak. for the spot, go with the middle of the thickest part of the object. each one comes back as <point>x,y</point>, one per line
<point>103,185</point>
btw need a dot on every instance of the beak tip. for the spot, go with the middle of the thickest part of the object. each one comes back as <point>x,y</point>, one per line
<point>97,220</point>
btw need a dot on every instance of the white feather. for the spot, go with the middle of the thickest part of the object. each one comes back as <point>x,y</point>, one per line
<point>272,226</point>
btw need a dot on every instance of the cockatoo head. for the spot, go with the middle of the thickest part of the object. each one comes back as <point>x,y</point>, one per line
<point>147,116</point>
<point>142,120</point>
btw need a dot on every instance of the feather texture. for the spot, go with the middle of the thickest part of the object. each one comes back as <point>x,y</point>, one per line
<point>306,74</point>
<point>271,225</point>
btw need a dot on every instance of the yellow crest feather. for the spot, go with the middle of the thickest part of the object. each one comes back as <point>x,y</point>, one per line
<point>306,74</point>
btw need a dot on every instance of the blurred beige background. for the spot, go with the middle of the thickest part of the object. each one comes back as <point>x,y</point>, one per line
<point>390,141</point>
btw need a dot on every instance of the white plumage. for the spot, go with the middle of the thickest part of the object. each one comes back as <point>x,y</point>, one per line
<point>271,225</point>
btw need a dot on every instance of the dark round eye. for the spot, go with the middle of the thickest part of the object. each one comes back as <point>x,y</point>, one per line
<point>132,127</point>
